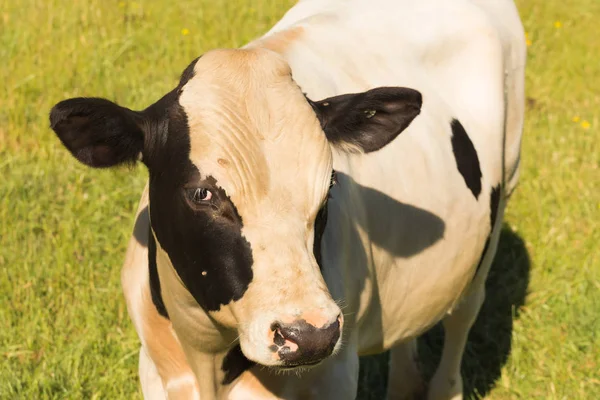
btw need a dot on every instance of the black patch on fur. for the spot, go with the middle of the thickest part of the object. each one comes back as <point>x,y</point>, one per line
<point>369,120</point>
<point>494,203</point>
<point>234,364</point>
<point>155,292</point>
<point>466,158</point>
<point>204,242</point>
<point>321,223</point>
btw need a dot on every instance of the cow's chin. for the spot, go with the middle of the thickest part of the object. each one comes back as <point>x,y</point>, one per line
<point>298,368</point>
<point>272,361</point>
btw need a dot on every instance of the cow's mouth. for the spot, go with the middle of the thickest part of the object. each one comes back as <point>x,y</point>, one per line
<point>292,366</point>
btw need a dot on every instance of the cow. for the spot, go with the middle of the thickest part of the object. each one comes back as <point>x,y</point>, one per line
<point>332,189</point>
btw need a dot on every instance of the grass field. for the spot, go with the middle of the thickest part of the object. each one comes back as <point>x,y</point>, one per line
<point>64,329</point>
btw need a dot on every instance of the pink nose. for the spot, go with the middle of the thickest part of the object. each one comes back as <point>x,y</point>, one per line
<point>300,343</point>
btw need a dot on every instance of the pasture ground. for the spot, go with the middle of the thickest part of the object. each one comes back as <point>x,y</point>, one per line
<point>64,329</point>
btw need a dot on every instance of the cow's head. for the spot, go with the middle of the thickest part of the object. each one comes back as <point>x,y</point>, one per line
<point>240,163</point>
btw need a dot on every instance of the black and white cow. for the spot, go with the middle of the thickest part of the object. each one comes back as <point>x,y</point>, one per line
<point>248,252</point>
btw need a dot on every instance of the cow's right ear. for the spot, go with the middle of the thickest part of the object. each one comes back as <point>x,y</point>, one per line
<point>98,132</point>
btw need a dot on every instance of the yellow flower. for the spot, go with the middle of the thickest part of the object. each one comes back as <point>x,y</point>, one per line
<point>185,31</point>
<point>585,124</point>
<point>576,119</point>
<point>121,4</point>
<point>557,24</point>
<point>528,42</point>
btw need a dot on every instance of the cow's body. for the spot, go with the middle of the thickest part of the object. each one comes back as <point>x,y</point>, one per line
<point>408,230</point>
<point>412,228</point>
<point>424,228</point>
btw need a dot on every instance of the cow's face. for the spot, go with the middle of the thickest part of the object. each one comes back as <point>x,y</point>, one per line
<point>240,164</point>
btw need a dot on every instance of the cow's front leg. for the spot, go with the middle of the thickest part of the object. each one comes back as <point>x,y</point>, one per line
<point>404,379</point>
<point>183,387</point>
<point>166,355</point>
<point>152,387</point>
<point>447,383</point>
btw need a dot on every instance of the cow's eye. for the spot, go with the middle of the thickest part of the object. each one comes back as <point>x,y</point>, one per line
<point>199,195</point>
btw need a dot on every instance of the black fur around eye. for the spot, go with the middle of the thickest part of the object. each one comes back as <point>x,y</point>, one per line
<point>199,195</point>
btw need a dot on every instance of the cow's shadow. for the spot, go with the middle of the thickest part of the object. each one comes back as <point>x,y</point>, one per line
<point>489,343</point>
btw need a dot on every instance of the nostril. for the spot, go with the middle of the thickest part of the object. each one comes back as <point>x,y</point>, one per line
<point>275,326</point>
<point>285,338</point>
<point>289,332</point>
<point>278,338</point>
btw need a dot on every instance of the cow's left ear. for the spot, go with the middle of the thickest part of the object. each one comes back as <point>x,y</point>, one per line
<point>368,120</point>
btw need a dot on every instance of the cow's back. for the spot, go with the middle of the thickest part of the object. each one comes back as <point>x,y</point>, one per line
<point>408,223</point>
<point>461,54</point>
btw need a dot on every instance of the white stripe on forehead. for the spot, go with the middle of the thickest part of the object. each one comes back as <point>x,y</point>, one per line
<point>252,129</point>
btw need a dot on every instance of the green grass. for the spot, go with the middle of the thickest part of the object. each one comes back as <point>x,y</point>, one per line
<point>64,329</point>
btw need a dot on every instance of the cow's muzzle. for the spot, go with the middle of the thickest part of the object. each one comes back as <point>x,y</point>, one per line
<point>301,344</point>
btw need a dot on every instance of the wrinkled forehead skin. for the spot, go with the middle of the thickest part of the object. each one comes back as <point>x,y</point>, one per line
<point>255,139</point>
<point>252,129</point>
